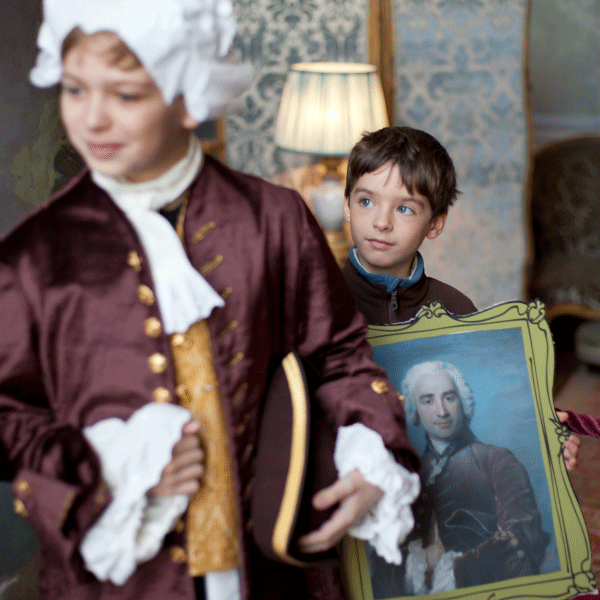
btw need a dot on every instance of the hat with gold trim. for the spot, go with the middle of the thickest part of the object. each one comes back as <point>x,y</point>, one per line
<point>294,460</point>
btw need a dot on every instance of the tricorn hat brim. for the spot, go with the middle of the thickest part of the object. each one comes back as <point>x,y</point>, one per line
<point>294,460</point>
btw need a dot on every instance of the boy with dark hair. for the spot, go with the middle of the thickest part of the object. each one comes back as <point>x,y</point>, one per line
<point>400,184</point>
<point>144,310</point>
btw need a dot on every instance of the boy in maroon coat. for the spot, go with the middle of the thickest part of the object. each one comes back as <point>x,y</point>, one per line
<point>143,311</point>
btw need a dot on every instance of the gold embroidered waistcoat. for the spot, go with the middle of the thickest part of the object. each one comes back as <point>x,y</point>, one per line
<point>212,540</point>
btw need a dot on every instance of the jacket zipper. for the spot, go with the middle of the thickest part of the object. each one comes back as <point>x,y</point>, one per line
<point>393,306</point>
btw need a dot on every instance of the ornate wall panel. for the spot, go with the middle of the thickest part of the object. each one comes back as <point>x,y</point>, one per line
<point>460,76</point>
<point>273,34</point>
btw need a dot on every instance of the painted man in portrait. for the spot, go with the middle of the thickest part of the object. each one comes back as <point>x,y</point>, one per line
<point>477,517</point>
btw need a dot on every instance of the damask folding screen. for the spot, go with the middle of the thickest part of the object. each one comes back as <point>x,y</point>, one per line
<point>273,34</point>
<point>460,75</point>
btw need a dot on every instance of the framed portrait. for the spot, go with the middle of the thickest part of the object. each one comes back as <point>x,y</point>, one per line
<point>496,517</point>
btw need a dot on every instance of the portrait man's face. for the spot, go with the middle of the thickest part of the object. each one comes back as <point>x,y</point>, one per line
<point>439,406</point>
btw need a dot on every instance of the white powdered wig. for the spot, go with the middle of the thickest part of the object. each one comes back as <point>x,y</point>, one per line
<point>418,372</point>
<point>185,45</point>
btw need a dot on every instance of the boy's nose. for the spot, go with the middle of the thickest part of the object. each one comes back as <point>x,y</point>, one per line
<point>96,115</point>
<point>383,220</point>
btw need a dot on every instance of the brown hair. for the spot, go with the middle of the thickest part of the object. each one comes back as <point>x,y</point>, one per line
<point>118,54</point>
<point>424,164</point>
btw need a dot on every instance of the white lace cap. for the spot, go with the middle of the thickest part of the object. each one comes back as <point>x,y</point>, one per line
<point>185,45</point>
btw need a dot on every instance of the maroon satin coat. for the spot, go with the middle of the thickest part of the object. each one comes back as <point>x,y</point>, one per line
<point>75,346</point>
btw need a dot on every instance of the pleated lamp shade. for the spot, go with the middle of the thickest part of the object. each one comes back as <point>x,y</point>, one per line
<point>326,107</point>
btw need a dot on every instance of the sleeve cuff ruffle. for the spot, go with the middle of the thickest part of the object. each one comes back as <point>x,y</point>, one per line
<point>416,567</point>
<point>133,454</point>
<point>443,574</point>
<point>390,520</point>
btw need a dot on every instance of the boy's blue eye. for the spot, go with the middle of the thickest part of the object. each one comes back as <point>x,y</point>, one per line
<point>405,210</point>
<point>129,97</point>
<point>72,90</point>
<point>365,202</point>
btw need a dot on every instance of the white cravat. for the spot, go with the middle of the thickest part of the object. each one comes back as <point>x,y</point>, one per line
<point>183,295</point>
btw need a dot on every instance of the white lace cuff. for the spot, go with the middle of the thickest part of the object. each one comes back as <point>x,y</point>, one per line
<point>386,525</point>
<point>160,515</point>
<point>443,574</point>
<point>133,454</point>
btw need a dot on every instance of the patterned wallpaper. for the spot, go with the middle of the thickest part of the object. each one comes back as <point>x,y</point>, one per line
<point>459,76</point>
<point>273,34</point>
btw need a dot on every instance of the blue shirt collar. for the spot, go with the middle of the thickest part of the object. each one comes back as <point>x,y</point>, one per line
<point>389,281</point>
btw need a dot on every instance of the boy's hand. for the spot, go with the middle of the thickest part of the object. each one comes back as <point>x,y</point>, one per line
<point>183,474</point>
<point>571,450</point>
<point>355,496</point>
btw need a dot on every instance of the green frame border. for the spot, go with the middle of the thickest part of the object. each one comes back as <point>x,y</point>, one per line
<point>575,576</point>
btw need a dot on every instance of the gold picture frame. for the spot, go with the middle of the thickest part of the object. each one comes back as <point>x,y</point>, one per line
<point>506,355</point>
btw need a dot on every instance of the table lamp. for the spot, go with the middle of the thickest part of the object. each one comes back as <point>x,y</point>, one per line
<point>325,109</point>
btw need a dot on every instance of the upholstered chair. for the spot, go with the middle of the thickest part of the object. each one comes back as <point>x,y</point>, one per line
<point>564,265</point>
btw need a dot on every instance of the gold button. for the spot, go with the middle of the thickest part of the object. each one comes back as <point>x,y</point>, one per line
<point>380,387</point>
<point>229,328</point>
<point>239,392</point>
<point>23,487</point>
<point>401,399</point>
<point>178,339</point>
<point>248,488</point>
<point>177,554</point>
<point>181,390</point>
<point>152,327</point>
<point>236,359</point>
<point>145,294</point>
<point>161,394</point>
<point>157,363</point>
<point>19,507</point>
<point>179,527</point>
<point>248,451</point>
<point>203,231</point>
<point>211,265</point>
<point>514,542</point>
<point>134,260</point>
<point>521,554</point>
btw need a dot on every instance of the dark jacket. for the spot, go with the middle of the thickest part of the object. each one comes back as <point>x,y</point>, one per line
<point>484,507</point>
<point>382,308</point>
<point>79,324</point>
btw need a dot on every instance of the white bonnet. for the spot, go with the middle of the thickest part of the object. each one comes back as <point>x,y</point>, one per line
<point>184,45</point>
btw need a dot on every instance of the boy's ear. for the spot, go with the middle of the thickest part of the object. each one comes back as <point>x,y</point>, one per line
<point>346,209</point>
<point>437,226</point>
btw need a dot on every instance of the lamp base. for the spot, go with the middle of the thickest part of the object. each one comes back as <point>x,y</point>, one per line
<point>327,201</point>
